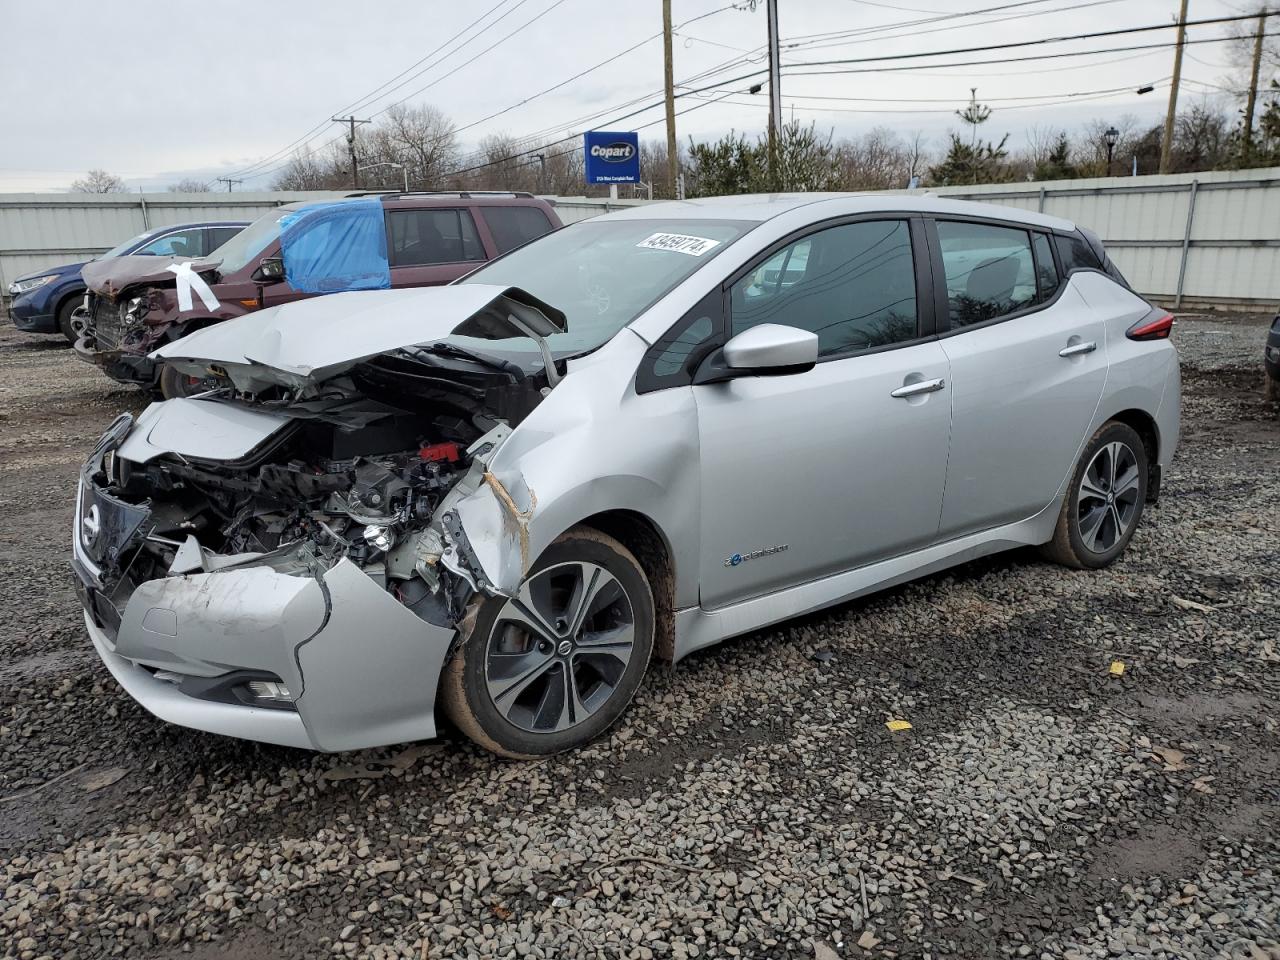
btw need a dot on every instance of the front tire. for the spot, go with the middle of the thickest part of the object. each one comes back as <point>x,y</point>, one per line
<point>174,384</point>
<point>72,327</point>
<point>1104,502</point>
<point>555,666</point>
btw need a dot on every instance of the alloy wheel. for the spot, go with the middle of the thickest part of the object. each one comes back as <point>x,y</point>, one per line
<point>1108,497</point>
<point>560,647</point>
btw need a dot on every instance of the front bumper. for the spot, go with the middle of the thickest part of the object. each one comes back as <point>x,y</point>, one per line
<point>27,316</point>
<point>119,365</point>
<point>361,667</point>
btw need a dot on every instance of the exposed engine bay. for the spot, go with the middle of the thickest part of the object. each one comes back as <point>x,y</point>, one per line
<point>362,464</point>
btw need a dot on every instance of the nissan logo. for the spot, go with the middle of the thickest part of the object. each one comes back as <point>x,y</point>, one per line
<point>619,152</point>
<point>90,525</point>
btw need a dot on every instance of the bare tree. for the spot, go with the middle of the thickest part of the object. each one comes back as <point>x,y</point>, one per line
<point>420,139</point>
<point>98,181</point>
<point>189,185</point>
<point>877,160</point>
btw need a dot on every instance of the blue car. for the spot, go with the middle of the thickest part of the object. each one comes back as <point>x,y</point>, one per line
<point>48,300</point>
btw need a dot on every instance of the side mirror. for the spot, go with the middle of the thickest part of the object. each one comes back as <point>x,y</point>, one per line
<point>269,270</point>
<point>770,349</point>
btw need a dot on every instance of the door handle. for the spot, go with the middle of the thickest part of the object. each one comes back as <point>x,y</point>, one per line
<point>1078,349</point>
<point>919,387</point>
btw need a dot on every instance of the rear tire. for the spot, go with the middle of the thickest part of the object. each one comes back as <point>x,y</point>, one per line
<point>1104,501</point>
<point>542,672</point>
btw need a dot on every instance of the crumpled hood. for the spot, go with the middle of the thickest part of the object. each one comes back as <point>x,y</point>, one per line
<point>321,337</point>
<point>109,277</point>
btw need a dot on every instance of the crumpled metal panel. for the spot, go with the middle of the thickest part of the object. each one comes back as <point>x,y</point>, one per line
<point>199,428</point>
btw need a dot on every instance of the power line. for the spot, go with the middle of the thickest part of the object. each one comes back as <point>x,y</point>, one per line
<point>1003,60</point>
<point>1027,43</point>
<point>310,134</point>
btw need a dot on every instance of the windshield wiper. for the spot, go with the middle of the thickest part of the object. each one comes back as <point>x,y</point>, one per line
<point>442,349</point>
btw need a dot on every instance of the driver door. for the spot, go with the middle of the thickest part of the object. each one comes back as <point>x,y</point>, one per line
<point>809,474</point>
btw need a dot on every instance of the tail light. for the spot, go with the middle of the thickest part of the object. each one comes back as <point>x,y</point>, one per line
<point>1156,325</point>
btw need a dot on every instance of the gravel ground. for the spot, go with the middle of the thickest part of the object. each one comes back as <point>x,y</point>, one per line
<point>752,803</point>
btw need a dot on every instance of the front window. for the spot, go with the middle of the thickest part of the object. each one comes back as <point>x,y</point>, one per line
<point>183,243</point>
<point>853,285</point>
<point>249,243</point>
<point>604,274</point>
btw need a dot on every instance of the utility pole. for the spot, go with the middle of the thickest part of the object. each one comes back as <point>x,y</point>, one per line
<point>228,181</point>
<point>1166,145</point>
<point>673,162</point>
<point>775,92</point>
<point>1253,84</point>
<point>351,147</point>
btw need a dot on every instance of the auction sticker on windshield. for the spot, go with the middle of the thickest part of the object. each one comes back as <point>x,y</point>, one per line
<point>678,243</point>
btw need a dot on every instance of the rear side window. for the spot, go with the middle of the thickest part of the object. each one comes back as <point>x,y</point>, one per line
<point>853,285</point>
<point>423,237</point>
<point>990,271</point>
<point>220,235</point>
<point>1047,279</point>
<point>1076,254</point>
<point>515,226</point>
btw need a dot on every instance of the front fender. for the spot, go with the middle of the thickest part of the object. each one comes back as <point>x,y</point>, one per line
<point>593,445</point>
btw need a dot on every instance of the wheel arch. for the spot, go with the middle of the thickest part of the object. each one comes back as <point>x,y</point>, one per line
<point>1145,426</point>
<point>645,539</point>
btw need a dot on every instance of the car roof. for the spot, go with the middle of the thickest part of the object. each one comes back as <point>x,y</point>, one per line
<point>430,198</point>
<point>760,207</point>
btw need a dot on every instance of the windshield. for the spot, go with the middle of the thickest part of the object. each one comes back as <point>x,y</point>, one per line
<point>236,253</point>
<point>604,274</point>
<point>119,250</point>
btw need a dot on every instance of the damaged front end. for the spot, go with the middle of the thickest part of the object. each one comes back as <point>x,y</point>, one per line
<point>284,562</point>
<point>131,309</point>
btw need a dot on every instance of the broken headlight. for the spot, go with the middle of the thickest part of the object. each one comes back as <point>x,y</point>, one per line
<point>131,312</point>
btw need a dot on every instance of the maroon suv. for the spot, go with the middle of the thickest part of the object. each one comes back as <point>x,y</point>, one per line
<point>136,305</point>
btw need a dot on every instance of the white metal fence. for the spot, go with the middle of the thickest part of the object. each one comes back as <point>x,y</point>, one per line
<point>39,230</point>
<point>1185,240</point>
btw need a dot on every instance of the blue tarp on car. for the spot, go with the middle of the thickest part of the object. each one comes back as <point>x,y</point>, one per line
<point>332,247</point>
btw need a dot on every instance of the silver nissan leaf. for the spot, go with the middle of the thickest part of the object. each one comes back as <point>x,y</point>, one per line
<point>632,438</point>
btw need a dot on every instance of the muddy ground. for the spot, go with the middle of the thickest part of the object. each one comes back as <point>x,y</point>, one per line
<point>752,802</point>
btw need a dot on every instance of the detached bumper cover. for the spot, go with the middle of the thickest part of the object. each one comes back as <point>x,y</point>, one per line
<point>362,668</point>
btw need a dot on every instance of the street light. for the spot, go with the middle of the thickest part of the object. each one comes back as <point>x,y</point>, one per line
<point>1112,137</point>
<point>388,163</point>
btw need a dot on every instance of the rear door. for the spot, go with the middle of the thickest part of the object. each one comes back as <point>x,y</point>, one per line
<point>1028,366</point>
<point>427,247</point>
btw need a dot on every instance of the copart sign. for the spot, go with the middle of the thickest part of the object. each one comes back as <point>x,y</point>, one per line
<point>612,157</point>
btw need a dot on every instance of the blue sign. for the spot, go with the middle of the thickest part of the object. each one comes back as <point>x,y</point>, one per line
<point>612,157</point>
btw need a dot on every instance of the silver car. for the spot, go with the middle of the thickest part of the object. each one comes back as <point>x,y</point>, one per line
<point>632,438</point>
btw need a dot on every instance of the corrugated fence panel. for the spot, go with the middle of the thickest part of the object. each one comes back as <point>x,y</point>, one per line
<point>39,230</point>
<point>1233,252</point>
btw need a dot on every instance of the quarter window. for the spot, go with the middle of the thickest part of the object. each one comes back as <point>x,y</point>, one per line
<point>1047,279</point>
<point>513,227</point>
<point>1076,254</point>
<point>853,285</point>
<point>423,237</point>
<point>990,271</point>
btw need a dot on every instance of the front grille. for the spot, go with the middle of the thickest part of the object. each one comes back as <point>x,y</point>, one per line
<point>107,329</point>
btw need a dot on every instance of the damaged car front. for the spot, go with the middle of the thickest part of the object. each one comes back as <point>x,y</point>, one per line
<point>229,547</point>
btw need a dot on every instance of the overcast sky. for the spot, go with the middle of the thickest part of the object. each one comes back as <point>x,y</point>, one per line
<point>158,91</point>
